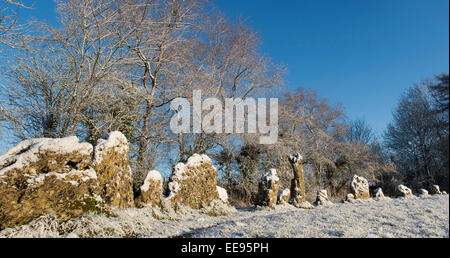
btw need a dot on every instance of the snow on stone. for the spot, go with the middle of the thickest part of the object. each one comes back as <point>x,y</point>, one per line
<point>152,175</point>
<point>197,160</point>
<point>173,188</point>
<point>322,198</point>
<point>423,192</point>
<point>435,189</point>
<point>27,151</point>
<point>194,161</point>
<point>285,192</point>
<point>112,140</point>
<point>83,175</point>
<point>294,158</point>
<point>379,193</point>
<point>403,191</point>
<point>222,194</point>
<point>271,175</point>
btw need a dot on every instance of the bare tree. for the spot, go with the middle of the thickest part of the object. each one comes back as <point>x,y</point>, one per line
<point>440,91</point>
<point>360,131</point>
<point>10,30</point>
<point>64,69</point>
<point>413,137</point>
<point>230,65</point>
<point>34,94</point>
<point>155,33</point>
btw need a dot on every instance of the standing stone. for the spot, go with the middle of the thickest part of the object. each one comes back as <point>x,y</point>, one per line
<point>223,195</point>
<point>194,183</point>
<point>111,162</point>
<point>423,192</point>
<point>378,193</point>
<point>283,196</point>
<point>151,191</point>
<point>360,187</point>
<point>403,191</point>
<point>268,189</point>
<point>435,190</point>
<point>322,198</point>
<point>298,189</point>
<point>47,176</point>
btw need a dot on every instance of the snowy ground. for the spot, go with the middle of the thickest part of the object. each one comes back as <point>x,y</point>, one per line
<point>388,218</point>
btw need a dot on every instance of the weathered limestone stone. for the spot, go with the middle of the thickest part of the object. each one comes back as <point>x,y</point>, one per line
<point>114,173</point>
<point>298,189</point>
<point>268,189</point>
<point>47,176</point>
<point>423,192</point>
<point>378,193</point>
<point>193,184</point>
<point>403,191</point>
<point>360,187</point>
<point>444,193</point>
<point>435,190</point>
<point>284,196</point>
<point>151,191</point>
<point>322,198</point>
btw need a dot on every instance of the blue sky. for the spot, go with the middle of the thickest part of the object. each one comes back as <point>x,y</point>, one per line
<point>363,53</point>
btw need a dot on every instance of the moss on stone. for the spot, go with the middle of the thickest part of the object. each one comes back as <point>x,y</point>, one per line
<point>89,204</point>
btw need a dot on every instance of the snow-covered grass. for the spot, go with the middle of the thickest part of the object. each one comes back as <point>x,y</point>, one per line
<point>400,218</point>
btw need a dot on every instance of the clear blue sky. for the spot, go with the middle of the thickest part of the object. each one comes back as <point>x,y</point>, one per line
<point>363,53</point>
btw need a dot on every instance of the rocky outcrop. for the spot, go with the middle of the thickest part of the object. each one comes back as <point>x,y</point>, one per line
<point>194,183</point>
<point>63,177</point>
<point>284,196</point>
<point>151,192</point>
<point>113,169</point>
<point>298,189</point>
<point>360,187</point>
<point>403,191</point>
<point>435,190</point>
<point>268,189</point>
<point>378,193</point>
<point>322,198</point>
<point>423,192</point>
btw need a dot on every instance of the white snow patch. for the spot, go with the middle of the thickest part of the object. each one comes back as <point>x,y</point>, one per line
<point>271,175</point>
<point>294,158</point>
<point>83,175</point>
<point>173,188</point>
<point>197,160</point>
<point>222,194</point>
<point>285,192</point>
